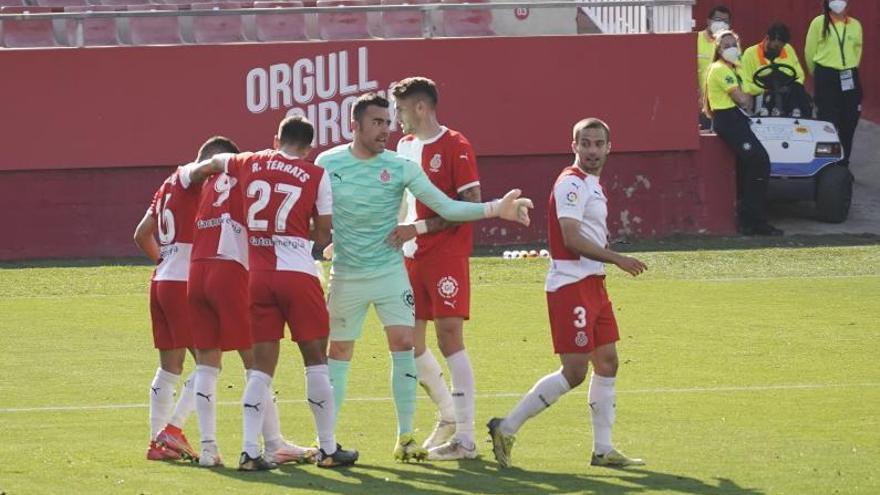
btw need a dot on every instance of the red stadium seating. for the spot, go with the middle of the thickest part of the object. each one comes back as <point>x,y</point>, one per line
<point>154,30</point>
<point>30,33</point>
<point>344,25</point>
<point>122,3</point>
<point>217,28</point>
<point>12,3</point>
<point>463,23</point>
<point>96,32</point>
<point>59,3</point>
<point>404,23</point>
<point>280,27</point>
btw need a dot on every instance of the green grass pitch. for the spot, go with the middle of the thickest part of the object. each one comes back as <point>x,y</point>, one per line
<point>743,372</point>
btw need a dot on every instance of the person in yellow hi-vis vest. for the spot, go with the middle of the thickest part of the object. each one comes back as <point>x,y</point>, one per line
<point>724,103</point>
<point>833,52</point>
<point>719,20</point>
<point>775,49</point>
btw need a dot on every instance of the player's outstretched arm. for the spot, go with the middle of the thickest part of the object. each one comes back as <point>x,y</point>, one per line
<point>199,171</point>
<point>576,242</point>
<point>511,207</point>
<point>405,232</point>
<point>145,238</point>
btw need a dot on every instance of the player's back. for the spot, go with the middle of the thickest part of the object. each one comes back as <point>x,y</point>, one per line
<point>366,200</point>
<point>220,231</point>
<point>281,194</point>
<point>174,208</point>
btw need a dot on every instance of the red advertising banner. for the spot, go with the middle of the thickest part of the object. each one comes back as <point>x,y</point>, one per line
<point>147,106</point>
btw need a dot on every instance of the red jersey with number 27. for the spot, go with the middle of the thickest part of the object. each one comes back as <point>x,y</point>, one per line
<point>281,195</point>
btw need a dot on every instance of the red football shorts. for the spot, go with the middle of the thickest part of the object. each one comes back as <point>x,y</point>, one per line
<point>295,298</point>
<point>581,317</point>
<point>218,302</point>
<point>441,286</point>
<point>170,314</point>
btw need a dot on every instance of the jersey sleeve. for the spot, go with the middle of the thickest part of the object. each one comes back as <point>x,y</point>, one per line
<point>324,201</point>
<point>233,162</point>
<point>726,79</point>
<point>811,44</point>
<point>153,210</point>
<point>571,197</point>
<point>421,187</point>
<point>464,167</point>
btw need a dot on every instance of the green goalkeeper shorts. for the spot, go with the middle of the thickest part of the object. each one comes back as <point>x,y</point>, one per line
<point>349,299</point>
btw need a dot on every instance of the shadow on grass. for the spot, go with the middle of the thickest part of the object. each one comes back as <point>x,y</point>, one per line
<point>480,476</point>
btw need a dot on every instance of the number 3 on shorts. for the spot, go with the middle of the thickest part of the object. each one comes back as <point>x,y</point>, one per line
<point>580,317</point>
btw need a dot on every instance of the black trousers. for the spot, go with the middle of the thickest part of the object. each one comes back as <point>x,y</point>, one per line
<point>841,108</point>
<point>752,165</point>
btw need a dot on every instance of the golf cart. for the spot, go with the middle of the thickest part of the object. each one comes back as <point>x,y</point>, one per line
<point>805,154</point>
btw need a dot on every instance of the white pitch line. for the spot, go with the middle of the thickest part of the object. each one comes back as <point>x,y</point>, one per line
<point>752,388</point>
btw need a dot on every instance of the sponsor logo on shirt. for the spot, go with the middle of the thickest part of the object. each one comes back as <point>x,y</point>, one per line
<point>270,242</point>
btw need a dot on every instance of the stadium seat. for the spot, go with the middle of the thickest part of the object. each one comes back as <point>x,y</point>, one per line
<point>467,22</point>
<point>403,23</point>
<point>27,34</point>
<point>122,3</point>
<point>280,27</point>
<point>96,32</point>
<point>217,28</point>
<point>59,3</point>
<point>154,30</point>
<point>12,3</point>
<point>344,25</point>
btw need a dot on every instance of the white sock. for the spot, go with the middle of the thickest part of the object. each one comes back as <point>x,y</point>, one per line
<point>319,393</point>
<point>272,437</point>
<point>602,412</point>
<point>161,400</point>
<point>431,379</point>
<point>462,396</point>
<point>185,403</point>
<point>257,395</point>
<point>206,401</point>
<point>547,391</point>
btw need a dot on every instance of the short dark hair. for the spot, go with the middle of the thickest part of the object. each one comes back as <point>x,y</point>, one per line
<point>719,8</point>
<point>296,130</point>
<point>366,100</point>
<point>779,31</point>
<point>591,123</point>
<point>216,145</point>
<point>416,86</point>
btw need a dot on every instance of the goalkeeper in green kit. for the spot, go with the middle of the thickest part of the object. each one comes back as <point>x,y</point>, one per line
<point>368,183</point>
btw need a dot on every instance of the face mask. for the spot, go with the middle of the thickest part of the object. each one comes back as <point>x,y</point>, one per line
<point>731,54</point>
<point>837,6</point>
<point>718,26</point>
<point>772,54</point>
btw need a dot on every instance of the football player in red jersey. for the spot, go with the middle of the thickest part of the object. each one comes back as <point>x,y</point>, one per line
<point>437,253</point>
<point>288,203</point>
<point>582,321</point>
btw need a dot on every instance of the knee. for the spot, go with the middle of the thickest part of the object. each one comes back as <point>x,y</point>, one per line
<point>574,375</point>
<point>400,341</point>
<point>607,366</point>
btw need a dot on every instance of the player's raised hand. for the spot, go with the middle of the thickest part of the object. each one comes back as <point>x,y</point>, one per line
<point>631,265</point>
<point>514,208</point>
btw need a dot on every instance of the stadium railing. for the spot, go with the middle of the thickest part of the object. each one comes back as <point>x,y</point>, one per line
<point>610,16</point>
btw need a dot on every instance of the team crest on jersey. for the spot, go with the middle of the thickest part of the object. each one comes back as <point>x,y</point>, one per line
<point>408,298</point>
<point>385,176</point>
<point>580,339</point>
<point>447,287</point>
<point>435,163</point>
<point>222,186</point>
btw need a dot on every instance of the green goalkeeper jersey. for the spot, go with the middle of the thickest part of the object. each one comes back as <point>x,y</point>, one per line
<point>366,200</point>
